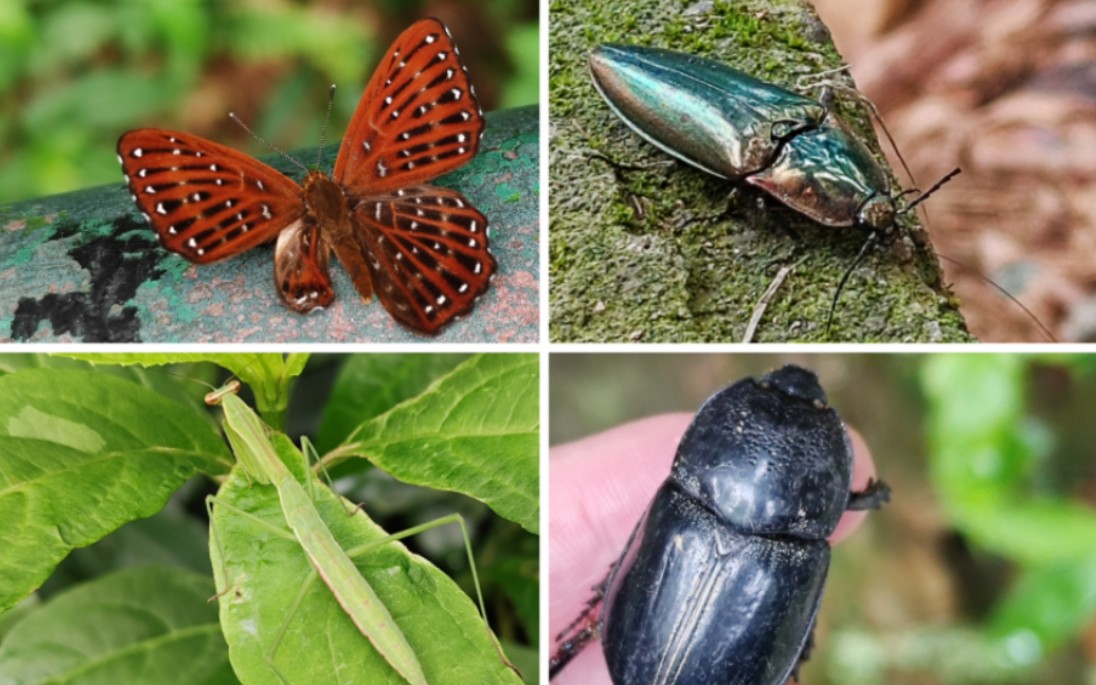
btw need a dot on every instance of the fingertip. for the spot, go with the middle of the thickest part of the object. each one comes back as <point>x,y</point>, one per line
<point>863,471</point>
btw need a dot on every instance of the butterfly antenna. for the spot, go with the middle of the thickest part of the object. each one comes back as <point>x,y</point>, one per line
<point>323,131</point>
<point>848,272</point>
<point>256,136</point>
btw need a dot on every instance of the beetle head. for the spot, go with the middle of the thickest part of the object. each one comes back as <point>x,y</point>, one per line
<point>877,213</point>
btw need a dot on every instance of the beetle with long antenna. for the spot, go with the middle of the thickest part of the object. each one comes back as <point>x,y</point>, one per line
<point>734,126</point>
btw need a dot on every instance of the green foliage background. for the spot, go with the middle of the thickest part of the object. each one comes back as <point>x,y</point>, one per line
<point>75,75</point>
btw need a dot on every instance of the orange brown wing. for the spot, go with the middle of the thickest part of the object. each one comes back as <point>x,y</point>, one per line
<point>417,119</point>
<point>206,201</point>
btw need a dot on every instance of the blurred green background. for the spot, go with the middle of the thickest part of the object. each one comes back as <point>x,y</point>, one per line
<point>75,75</point>
<point>983,567</point>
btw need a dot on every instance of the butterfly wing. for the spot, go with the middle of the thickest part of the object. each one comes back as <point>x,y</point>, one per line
<point>205,201</point>
<point>301,259</point>
<point>426,250</point>
<point>417,119</point>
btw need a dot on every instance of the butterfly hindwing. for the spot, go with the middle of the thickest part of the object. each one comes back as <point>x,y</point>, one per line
<point>205,201</point>
<point>417,119</point>
<point>427,252</point>
<point>301,274</point>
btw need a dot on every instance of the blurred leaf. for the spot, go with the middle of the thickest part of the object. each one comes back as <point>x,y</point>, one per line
<point>527,660</point>
<point>1046,608</point>
<point>103,99</point>
<point>16,39</point>
<point>523,87</point>
<point>1033,531</point>
<point>10,618</point>
<point>143,625</point>
<point>976,402</point>
<point>71,32</point>
<point>982,450</point>
<point>338,47</point>
<point>76,74</point>
<point>184,28</point>
<point>953,656</point>
<point>518,577</point>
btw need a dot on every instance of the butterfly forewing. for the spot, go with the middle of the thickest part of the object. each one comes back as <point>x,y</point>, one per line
<point>427,251</point>
<point>417,119</point>
<point>205,201</point>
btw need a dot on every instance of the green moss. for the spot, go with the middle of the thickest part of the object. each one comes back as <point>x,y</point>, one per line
<point>681,269</point>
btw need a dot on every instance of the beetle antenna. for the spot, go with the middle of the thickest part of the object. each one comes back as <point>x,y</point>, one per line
<point>1045,331</point>
<point>935,186</point>
<point>848,272</point>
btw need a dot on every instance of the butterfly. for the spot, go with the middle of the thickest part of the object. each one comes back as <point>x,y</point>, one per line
<point>422,249</point>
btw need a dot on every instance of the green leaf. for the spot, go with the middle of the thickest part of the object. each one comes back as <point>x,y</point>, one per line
<point>474,431</point>
<point>983,451</point>
<point>370,384</point>
<point>267,374</point>
<point>1033,530</point>
<point>261,573</point>
<point>1046,608</point>
<point>182,390</point>
<point>523,48</point>
<point>82,453</point>
<point>519,577</point>
<point>141,625</point>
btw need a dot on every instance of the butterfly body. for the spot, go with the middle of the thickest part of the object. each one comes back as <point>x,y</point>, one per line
<point>421,249</point>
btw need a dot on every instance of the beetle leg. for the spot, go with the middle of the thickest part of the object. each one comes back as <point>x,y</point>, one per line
<point>572,641</point>
<point>569,649</point>
<point>592,605</point>
<point>845,279</point>
<point>872,497</point>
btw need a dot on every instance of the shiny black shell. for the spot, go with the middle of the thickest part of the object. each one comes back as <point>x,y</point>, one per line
<point>721,580</point>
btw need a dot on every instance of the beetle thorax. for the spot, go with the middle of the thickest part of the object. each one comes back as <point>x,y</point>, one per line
<point>877,213</point>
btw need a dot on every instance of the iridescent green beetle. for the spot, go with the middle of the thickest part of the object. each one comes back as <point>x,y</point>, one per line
<point>732,125</point>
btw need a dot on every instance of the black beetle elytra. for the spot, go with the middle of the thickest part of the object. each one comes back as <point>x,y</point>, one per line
<point>721,580</point>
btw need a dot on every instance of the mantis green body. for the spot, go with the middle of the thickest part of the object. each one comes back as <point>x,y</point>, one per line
<point>256,454</point>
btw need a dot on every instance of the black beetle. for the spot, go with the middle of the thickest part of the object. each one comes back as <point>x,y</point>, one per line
<point>721,580</point>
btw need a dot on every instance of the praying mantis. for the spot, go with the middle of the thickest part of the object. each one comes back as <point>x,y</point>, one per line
<point>354,616</point>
